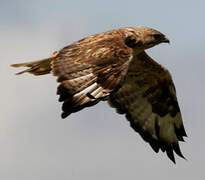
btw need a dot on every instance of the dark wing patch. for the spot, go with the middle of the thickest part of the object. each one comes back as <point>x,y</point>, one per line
<point>148,99</point>
<point>90,69</point>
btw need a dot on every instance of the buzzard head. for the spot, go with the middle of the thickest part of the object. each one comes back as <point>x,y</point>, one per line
<point>142,38</point>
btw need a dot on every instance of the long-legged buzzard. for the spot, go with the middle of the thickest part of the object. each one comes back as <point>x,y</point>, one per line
<point>113,66</point>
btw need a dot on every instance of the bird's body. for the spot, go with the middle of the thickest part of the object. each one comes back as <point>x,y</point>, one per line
<point>113,66</point>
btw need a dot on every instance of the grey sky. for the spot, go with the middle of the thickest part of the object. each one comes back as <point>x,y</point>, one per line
<point>95,143</point>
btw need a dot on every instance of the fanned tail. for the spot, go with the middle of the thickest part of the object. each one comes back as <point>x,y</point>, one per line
<point>36,67</point>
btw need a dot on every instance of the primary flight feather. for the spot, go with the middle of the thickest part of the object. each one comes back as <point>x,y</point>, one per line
<point>113,66</point>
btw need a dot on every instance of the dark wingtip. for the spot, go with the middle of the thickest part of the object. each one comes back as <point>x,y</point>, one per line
<point>183,132</point>
<point>178,150</point>
<point>155,147</point>
<point>65,114</point>
<point>180,133</point>
<point>170,154</point>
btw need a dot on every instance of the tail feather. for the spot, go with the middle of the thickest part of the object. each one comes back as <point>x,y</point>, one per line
<point>36,67</point>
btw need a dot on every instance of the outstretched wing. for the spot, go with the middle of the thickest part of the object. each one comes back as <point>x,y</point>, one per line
<point>148,98</point>
<point>90,69</point>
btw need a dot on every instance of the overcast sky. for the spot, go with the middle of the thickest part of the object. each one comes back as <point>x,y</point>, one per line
<point>96,143</point>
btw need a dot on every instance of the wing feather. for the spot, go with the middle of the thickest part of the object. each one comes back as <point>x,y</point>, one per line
<point>90,69</point>
<point>148,99</point>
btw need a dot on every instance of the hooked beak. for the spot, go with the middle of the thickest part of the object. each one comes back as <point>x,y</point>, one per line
<point>166,40</point>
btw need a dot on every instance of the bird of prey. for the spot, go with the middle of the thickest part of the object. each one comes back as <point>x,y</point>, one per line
<point>113,66</point>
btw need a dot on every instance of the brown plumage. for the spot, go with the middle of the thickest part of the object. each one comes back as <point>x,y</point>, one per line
<point>113,66</point>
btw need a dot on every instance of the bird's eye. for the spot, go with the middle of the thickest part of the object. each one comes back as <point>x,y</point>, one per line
<point>157,36</point>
